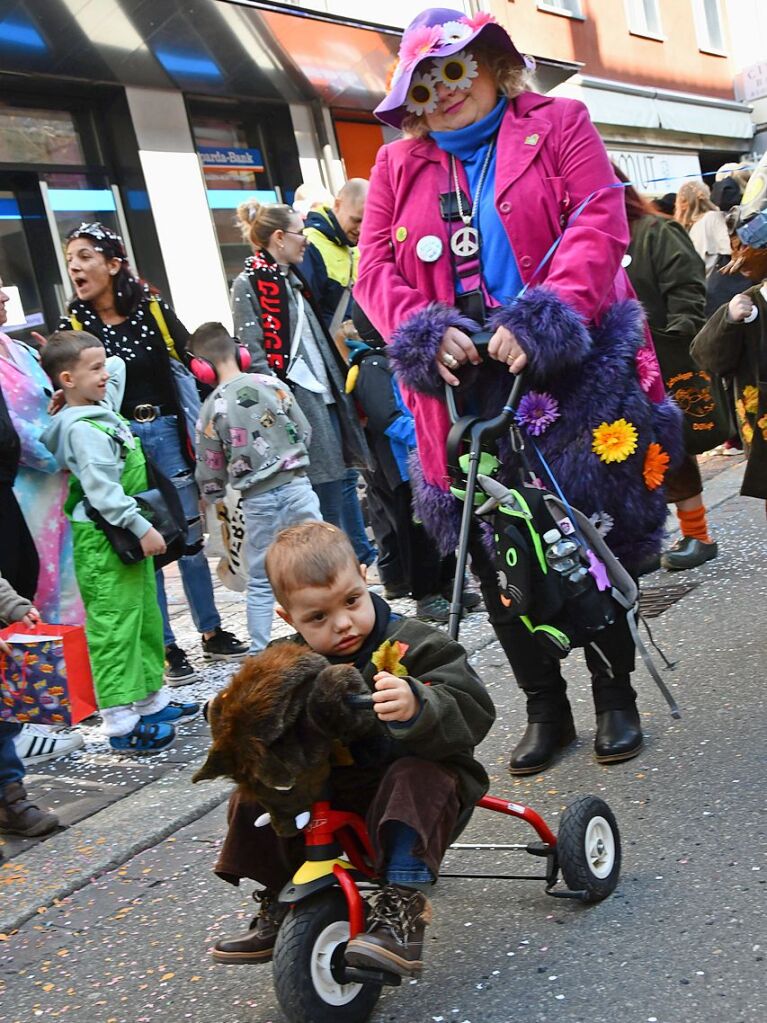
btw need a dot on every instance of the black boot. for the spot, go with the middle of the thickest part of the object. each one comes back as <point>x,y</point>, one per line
<point>540,744</point>
<point>619,735</point>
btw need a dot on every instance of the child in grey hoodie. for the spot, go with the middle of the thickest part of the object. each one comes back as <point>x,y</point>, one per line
<point>253,436</point>
<point>123,622</point>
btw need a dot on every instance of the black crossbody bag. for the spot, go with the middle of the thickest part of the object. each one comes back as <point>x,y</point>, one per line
<point>160,505</point>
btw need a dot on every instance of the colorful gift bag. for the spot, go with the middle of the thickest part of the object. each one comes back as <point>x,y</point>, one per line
<point>46,679</point>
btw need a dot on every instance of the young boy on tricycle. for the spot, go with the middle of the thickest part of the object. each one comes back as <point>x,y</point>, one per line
<point>416,782</point>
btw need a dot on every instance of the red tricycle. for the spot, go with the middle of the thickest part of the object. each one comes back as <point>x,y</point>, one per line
<point>313,982</point>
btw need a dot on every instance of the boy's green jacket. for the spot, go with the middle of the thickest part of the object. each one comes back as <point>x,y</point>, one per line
<point>456,711</point>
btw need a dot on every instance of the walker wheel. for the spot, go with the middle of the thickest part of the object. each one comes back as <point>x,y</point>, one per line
<point>589,848</point>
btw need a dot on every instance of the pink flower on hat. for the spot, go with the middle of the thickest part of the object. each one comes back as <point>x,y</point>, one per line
<point>479,21</point>
<point>418,43</point>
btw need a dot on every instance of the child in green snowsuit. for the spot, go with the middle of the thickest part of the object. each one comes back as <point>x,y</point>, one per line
<point>123,621</point>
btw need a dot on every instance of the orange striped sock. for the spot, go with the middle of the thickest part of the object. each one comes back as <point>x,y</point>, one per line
<point>693,524</point>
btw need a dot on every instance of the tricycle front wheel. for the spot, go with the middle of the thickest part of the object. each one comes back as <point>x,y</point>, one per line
<point>589,848</point>
<point>308,965</point>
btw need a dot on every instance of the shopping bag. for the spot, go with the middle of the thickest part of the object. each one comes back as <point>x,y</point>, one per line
<point>46,679</point>
<point>225,524</point>
<point>700,396</point>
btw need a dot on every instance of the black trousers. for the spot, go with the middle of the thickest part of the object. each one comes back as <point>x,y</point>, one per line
<point>538,673</point>
<point>407,554</point>
<point>19,563</point>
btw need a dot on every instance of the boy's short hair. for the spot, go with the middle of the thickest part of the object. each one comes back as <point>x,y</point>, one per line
<point>212,341</point>
<point>311,554</point>
<point>62,351</point>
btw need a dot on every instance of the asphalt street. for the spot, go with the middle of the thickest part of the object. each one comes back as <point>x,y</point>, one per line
<point>682,940</point>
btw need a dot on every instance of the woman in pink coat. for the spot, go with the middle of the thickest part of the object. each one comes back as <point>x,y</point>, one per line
<point>459,226</point>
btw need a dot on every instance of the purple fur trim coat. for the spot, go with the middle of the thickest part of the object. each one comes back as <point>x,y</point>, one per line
<point>592,374</point>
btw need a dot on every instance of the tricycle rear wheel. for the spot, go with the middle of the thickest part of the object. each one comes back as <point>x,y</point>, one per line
<point>308,959</point>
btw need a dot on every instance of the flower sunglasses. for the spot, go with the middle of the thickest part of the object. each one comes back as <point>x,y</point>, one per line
<point>454,72</point>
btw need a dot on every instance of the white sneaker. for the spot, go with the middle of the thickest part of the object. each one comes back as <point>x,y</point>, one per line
<point>35,743</point>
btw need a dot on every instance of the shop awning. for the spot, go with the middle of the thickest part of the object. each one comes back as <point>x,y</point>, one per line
<point>348,65</point>
<point>633,106</point>
<point>210,47</point>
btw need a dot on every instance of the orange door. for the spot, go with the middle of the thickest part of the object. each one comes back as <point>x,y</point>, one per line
<point>358,143</point>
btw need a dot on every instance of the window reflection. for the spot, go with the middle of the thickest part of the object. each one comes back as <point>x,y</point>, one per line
<point>38,136</point>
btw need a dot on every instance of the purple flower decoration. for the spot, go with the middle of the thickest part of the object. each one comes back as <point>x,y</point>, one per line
<point>537,411</point>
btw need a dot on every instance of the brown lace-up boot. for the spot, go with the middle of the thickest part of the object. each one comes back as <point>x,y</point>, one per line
<point>393,940</point>
<point>257,944</point>
<point>19,816</point>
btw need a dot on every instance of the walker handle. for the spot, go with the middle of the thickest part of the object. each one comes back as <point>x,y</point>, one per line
<point>481,341</point>
<point>361,701</point>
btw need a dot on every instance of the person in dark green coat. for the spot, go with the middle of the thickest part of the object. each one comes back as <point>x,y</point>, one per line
<point>670,281</point>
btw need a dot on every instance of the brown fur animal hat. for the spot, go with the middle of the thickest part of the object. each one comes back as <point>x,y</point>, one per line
<point>275,724</point>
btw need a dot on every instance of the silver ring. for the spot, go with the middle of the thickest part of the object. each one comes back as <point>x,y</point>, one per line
<point>449,361</point>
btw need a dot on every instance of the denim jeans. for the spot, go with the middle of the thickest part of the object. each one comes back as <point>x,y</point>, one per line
<point>352,521</point>
<point>162,443</point>
<point>331,496</point>
<point>11,767</point>
<point>265,515</point>
<point>402,867</point>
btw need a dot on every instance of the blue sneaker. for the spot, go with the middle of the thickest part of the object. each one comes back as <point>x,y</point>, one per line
<point>175,713</point>
<point>145,738</point>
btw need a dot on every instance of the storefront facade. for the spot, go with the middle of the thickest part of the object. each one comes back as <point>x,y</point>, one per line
<point>158,122</point>
<point>660,137</point>
<point>159,118</point>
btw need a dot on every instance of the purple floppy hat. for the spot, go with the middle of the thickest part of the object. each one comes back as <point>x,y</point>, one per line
<point>438,32</point>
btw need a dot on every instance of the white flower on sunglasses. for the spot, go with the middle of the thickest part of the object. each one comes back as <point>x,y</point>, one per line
<point>421,96</point>
<point>456,71</point>
<point>454,32</point>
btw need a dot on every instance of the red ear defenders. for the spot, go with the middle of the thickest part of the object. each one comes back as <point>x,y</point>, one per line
<point>205,371</point>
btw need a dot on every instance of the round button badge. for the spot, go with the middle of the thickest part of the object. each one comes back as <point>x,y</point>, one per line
<point>429,248</point>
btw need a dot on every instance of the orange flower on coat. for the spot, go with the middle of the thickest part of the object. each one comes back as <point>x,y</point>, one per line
<point>655,466</point>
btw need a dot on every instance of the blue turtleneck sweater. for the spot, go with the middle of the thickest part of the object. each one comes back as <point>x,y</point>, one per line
<point>469,145</point>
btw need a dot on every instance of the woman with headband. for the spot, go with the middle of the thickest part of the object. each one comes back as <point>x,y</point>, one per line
<point>132,321</point>
<point>498,209</point>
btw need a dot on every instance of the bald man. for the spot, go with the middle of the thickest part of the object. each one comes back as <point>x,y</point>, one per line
<point>330,263</point>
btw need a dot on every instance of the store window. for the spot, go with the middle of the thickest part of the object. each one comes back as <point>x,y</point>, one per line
<point>52,179</point>
<point>17,271</point>
<point>75,199</point>
<point>38,137</point>
<point>234,166</point>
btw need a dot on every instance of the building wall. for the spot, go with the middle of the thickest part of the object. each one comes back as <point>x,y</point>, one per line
<point>748,31</point>
<point>603,43</point>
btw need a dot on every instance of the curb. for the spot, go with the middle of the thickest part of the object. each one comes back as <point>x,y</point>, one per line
<point>70,860</point>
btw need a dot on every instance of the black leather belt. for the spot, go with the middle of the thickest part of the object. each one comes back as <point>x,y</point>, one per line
<point>147,413</point>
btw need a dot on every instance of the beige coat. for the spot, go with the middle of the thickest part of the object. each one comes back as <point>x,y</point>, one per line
<point>12,606</point>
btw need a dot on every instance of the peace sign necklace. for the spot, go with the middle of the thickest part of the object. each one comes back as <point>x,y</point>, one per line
<point>465,241</point>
